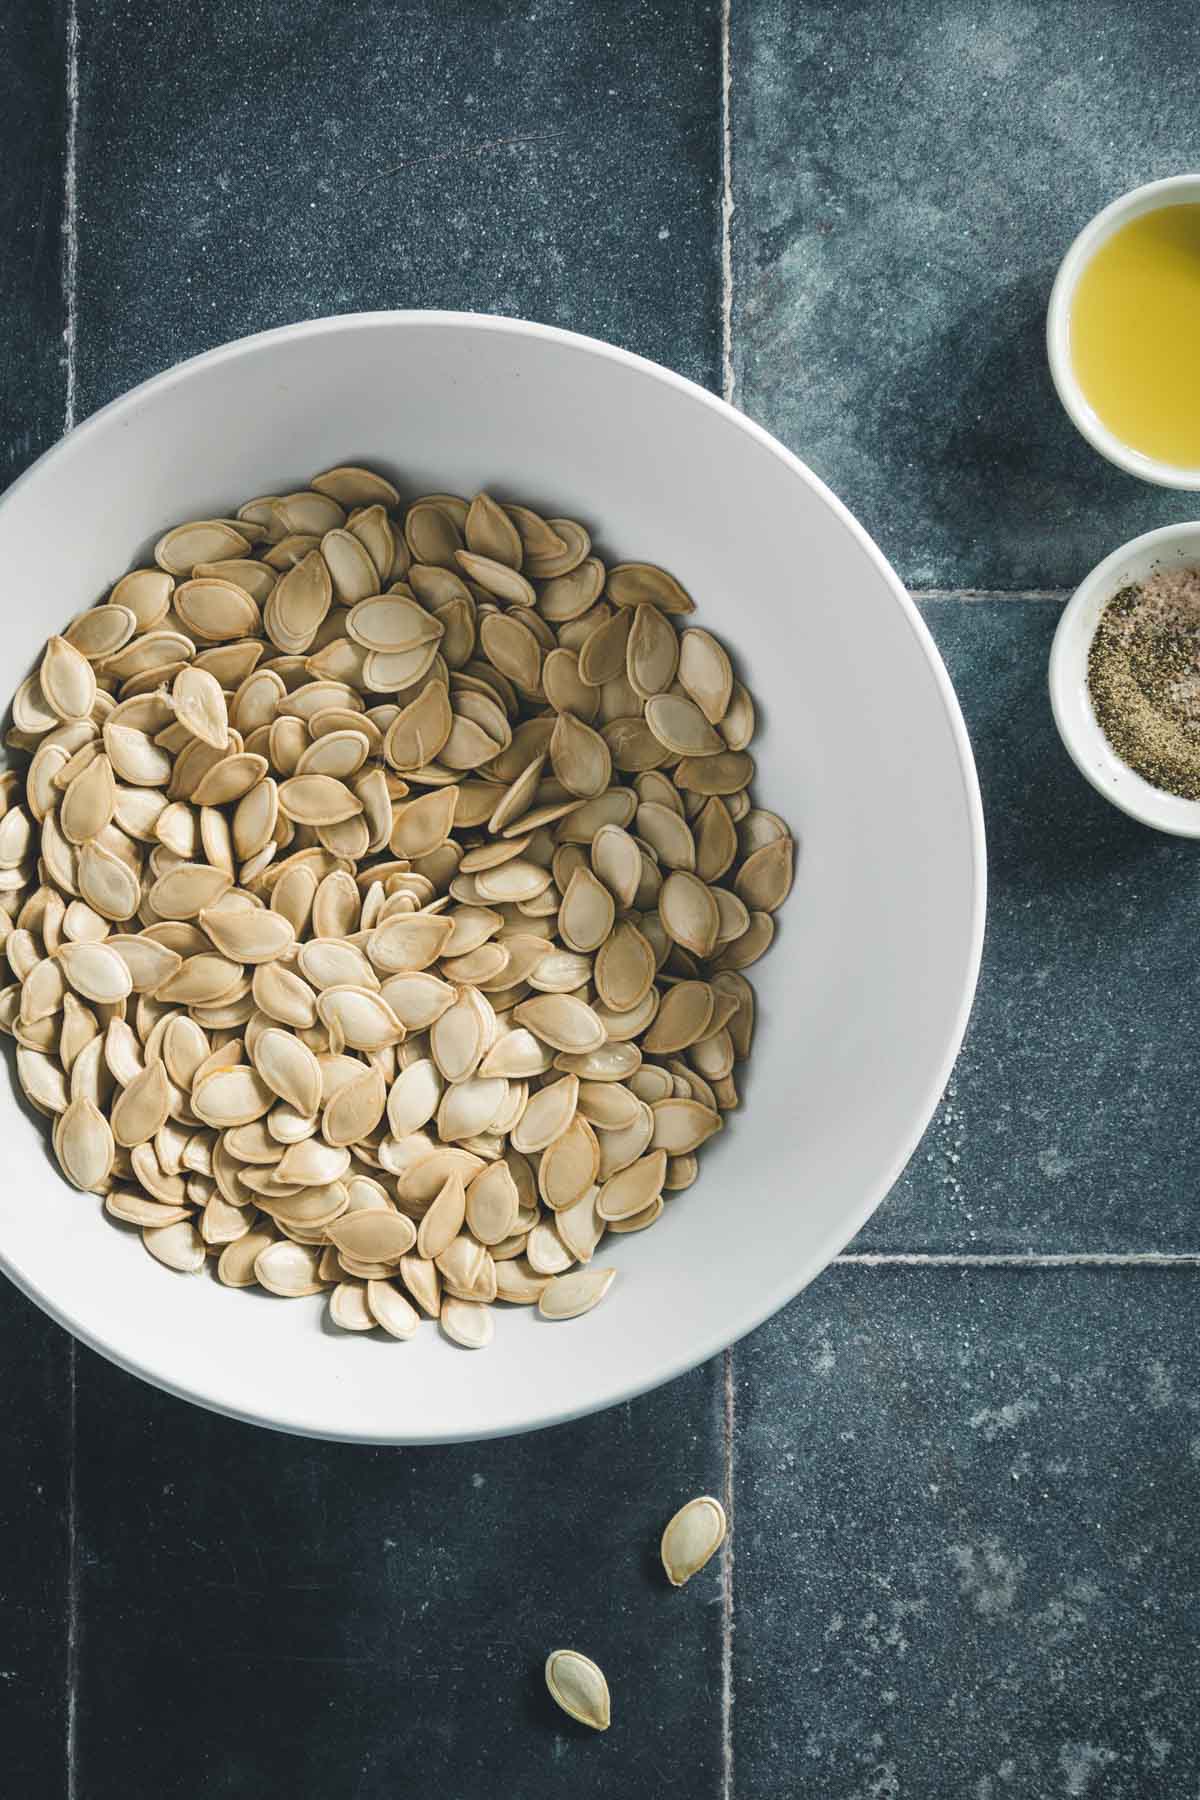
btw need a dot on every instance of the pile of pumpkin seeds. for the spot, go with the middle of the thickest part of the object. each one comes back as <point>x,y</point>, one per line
<point>376,901</point>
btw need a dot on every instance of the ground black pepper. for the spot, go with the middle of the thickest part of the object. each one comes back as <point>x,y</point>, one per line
<point>1144,679</point>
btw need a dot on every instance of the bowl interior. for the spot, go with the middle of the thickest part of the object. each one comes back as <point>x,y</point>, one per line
<point>864,996</point>
<point>1174,546</point>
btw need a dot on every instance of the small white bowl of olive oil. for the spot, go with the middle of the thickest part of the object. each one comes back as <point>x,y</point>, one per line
<point>1123,332</point>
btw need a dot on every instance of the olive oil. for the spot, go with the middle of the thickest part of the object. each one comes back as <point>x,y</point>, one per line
<point>1135,334</point>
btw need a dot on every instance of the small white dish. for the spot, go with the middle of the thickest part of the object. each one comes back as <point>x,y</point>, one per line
<point>1171,547</point>
<point>1176,190</point>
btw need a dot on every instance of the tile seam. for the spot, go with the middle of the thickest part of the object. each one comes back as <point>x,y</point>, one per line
<point>70,284</point>
<point>72,1597</point>
<point>727,1554</point>
<point>727,372</point>
<point>729,1419</point>
<point>1054,595</point>
<point>70,223</point>
<point>1066,1259</point>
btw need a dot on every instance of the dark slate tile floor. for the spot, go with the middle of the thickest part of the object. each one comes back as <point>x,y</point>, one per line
<point>907,177</point>
<point>1069,1124</point>
<point>36,1418</point>
<point>349,1621</point>
<point>965,1503</point>
<point>32,295</point>
<point>961,1563</point>
<point>557,161</point>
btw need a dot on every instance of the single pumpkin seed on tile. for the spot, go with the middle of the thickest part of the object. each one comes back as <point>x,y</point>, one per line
<point>578,1686</point>
<point>692,1536</point>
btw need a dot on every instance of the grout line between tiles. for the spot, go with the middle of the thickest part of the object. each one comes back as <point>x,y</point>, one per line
<point>70,279</point>
<point>1067,1259</point>
<point>727,1586</point>
<point>728,382</point>
<point>727,374</point>
<point>71,213</point>
<point>1055,595</point>
<point>72,1658</point>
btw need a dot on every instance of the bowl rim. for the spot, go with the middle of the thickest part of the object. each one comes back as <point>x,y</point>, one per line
<point>1172,190</point>
<point>1080,731</point>
<point>786,1286</point>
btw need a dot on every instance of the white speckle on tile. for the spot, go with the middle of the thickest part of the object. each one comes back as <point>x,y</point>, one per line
<point>1053,1164</point>
<point>825,1360</point>
<point>1160,1389</point>
<point>988,1577</point>
<point>1079,1762</point>
<point>1158,1746</point>
<point>477,1480</point>
<point>1065,1615</point>
<point>995,1421</point>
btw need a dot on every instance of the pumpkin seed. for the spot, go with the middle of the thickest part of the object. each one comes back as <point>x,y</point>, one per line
<point>578,1686</point>
<point>178,1246</point>
<point>692,1536</point>
<point>468,1323</point>
<point>483,998</point>
<point>569,1296</point>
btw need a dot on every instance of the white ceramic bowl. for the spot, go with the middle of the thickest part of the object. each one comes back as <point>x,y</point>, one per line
<point>1176,190</point>
<point>1170,547</point>
<point>863,999</point>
